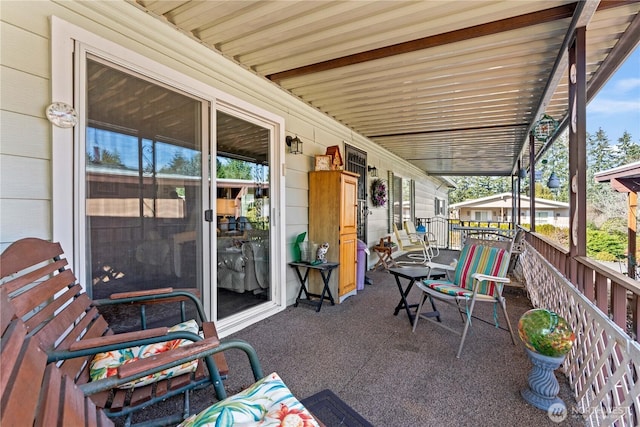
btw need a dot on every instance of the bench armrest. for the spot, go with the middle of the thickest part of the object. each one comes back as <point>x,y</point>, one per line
<point>158,361</point>
<point>156,296</point>
<point>123,339</point>
<point>201,349</point>
<point>150,292</point>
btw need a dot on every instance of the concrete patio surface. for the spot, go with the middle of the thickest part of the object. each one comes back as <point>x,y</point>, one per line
<point>390,375</point>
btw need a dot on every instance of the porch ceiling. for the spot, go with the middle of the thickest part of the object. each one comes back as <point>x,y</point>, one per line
<point>454,87</point>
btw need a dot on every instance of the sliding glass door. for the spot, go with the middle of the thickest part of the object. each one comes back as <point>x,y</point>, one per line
<point>152,213</point>
<point>242,195</point>
<point>143,183</point>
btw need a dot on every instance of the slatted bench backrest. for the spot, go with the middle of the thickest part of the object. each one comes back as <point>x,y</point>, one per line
<point>47,297</point>
<point>34,393</point>
<point>45,294</point>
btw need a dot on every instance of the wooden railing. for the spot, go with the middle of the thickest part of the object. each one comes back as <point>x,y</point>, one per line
<point>615,294</point>
<point>603,366</point>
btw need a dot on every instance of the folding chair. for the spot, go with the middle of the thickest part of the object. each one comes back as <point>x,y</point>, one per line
<point>479,276</point>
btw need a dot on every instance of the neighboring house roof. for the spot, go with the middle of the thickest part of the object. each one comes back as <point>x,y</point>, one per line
<point>624,179</point>
<point>503,200</point>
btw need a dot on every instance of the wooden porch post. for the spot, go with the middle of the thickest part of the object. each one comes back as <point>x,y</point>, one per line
<point>632,232</point>
<point>532,181</point>
<point>577,150</point>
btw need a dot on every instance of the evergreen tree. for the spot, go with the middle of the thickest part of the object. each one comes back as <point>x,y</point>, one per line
<point>628,151</point>
<point>600,154</point>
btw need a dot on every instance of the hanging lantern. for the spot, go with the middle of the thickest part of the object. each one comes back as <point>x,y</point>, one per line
<point>553,182</point>
<point>545,127</point>
<point>522,173</point>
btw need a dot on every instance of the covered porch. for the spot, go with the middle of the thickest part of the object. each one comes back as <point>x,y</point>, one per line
<point>372,360</point>
<point>429,90</point>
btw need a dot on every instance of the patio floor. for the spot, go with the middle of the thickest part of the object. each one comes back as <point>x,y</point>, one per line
<point>391,376</point>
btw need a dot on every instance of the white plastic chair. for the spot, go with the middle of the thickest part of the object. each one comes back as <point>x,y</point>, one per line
<point>428,238</point>
<point>405,244</point>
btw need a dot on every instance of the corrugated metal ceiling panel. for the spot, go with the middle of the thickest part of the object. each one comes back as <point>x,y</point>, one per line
<point>452,86</point>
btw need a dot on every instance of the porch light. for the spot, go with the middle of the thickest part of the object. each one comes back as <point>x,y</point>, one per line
<point>295,145</point>
<point>553,182</point>
<point>373,171</point>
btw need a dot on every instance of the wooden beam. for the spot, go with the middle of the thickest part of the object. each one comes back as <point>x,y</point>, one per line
<point>626,185</point>
<point>495,27</point>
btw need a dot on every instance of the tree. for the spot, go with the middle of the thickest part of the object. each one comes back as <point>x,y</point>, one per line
<point>628,151</point>
<point>602,201</point>
<point>180,165</point>
<point>474,187</point>
<point>600,155</point>
<point>234,169</point>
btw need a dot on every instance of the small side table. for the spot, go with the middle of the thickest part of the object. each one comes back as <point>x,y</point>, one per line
<point>384,250</point>
<point>325,271</point>
<point>412,274</point>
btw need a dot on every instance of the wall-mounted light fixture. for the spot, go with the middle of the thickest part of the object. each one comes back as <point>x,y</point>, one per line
<point>294,143</point>
<point>373,171</point>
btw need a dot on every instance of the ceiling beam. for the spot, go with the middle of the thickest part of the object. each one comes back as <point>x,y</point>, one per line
<point>427,132</point>
<point>495,27</point>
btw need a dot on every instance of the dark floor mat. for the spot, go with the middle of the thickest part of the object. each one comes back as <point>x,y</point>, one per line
<point>332,411</point>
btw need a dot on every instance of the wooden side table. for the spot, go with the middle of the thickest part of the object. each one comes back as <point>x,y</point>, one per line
<point>384,249</point>
<point>325,270</point>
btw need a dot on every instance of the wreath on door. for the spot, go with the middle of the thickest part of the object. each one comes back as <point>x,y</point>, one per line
<point>378,193</point>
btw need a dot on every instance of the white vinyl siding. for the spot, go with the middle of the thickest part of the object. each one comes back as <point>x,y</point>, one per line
<point>26,89</point>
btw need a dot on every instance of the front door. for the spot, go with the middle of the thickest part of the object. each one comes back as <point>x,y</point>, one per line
<point>357,162</point>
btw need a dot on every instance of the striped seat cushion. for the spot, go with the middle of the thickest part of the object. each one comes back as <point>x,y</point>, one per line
<point>448,288</point>
<point>481,259</point>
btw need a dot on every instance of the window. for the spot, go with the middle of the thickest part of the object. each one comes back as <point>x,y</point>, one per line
<point>439,206</point>
<point>402,200</point>
<point>481,216</point>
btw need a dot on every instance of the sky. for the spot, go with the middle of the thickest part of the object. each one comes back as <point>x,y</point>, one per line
<point>616,107</point>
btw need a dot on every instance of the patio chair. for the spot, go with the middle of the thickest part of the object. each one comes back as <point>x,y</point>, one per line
<point>417,249</point>
<point>479,276</point>
<point>428,237</point>
<point>142,367</point>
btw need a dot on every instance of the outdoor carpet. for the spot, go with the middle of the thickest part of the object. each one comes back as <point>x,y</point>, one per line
<point>332,411</point>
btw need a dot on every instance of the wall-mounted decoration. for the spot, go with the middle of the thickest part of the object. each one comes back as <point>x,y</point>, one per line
<point>378,193</point>
<point>62,115</point>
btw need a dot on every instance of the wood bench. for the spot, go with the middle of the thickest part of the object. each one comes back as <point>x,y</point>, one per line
<point>66,325</point>
<point>34,393</point>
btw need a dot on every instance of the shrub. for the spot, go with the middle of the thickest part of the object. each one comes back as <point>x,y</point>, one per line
<point>599,241</point>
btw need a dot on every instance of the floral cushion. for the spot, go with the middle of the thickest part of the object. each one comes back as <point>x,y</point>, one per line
<point>266,403</point>
<point>106,364</point>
